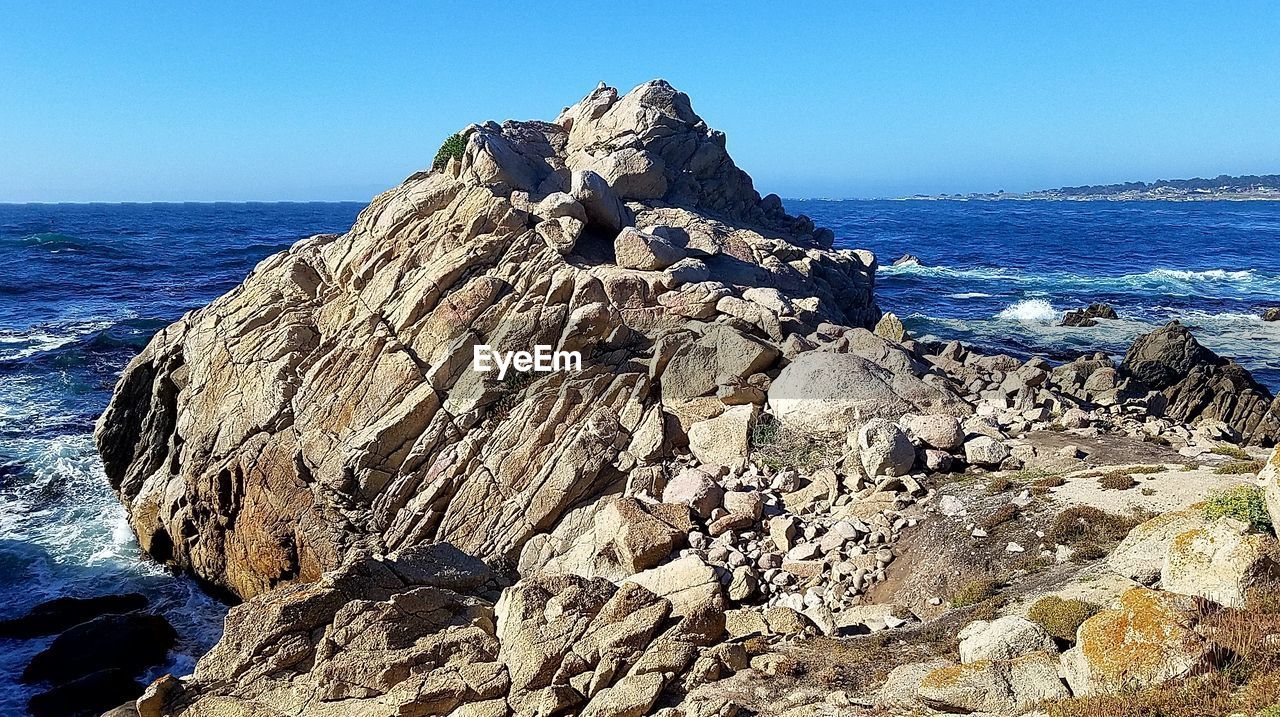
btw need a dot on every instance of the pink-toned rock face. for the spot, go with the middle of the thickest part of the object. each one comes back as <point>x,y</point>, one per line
<point>1149,639</point>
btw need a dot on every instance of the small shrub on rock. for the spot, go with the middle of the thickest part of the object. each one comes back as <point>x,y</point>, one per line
<point>999,484</point>
<point>1059,617</point>
<point>1245,502</point>
<point>1087,524</point>
<point>1087,551</point>
<point>1235,452</point>
<point>974,592</point>
<point>1003,514</point>
<point>453,147</point>
<point>1238,468</point>
<point>1117,480</point>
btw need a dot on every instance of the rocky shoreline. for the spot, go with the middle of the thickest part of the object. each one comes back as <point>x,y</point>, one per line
<point>758,496</point>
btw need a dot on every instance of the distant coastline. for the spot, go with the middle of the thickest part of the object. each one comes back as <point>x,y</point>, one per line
<point>1221,188</point>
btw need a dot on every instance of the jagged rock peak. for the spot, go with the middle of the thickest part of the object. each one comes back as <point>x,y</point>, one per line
<point>648,145</point>
<point>330,400</point>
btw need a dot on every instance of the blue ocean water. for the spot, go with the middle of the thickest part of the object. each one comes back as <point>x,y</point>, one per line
<point>1001,274</point>
<point>83,287</point>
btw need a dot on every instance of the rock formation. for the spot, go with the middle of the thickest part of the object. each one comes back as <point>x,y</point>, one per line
<point>741,482</point>
<point>328,402</point>
<point>1089,315</point>
<point>1197,384</point>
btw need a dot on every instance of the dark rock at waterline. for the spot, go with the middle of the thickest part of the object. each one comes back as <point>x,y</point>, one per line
<point>1272,314</point>
<point>131,642</point>
<point>1089,315</point>
<point>1199,384</point>
<point>907,259</point>
<point>92,694</point>
<point>57,615</point>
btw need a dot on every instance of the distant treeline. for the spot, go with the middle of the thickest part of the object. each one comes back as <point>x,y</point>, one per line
<point>1220,183</point>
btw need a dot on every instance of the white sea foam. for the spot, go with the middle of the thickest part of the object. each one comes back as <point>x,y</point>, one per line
<point>1030,311</point>
<point>969,295</point>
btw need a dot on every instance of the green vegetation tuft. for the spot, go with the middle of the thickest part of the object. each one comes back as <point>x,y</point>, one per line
<point>1086,524</point>
<point>1244,502</point>
<point>1239,468</point>
<point>974,592</point>
<point>1231,452</point>
<point>453,147</point>
<point>1061,618</point>
<point>1117,480</point>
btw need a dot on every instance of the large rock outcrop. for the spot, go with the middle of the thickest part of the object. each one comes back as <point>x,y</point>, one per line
<point>328,404</point>
<point>1200,385</point>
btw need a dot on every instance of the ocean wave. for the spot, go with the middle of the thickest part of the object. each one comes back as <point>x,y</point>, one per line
<point>87,336</point>
<point>982,273</point>
<point>970,295</point>
<point>1030,311</point>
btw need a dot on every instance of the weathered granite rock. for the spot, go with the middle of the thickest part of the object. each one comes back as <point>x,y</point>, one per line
<point>1008,687</point>
<point>1140,556</point>
<point>1198,384</point>
<point>328,401</point>
<point>1221,561</point>
<point>1272,314</point>
<point>1269,476</point>
<point>1003,639</point>
<point>935,431</point>
<point>884,448</point>
<point>824,393</point>
<point>1147,639</point>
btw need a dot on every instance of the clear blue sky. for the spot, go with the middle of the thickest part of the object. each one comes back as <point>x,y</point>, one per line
<point>139,101</point>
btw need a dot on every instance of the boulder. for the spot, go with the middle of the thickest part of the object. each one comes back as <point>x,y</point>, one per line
<point>561,233</point>
<point>903,683</point>
<point>890,327</point>
<point>985,451</point>
<point>1089,315</point>
<point>1198,384</point>
<point>1148,638</point>
<point>54,616</point>
<point>884,448</point>
<point>725,439</point>
<point>1221,561</point>
<point>1269,476</point>
<point>1272,314</point>
<point>1003,639</point>
<point>603,207</point>
<point>635,249</point>
<point>822,393</point>
<point>619,537</point>
<point>935,431</point>
<point>694,591</point>
<point>93,693</point>
<point>1007,687</point>
<point>1140,556</point>
<point>632,173</point>
<point>695,488</point>
<point>131,642</point>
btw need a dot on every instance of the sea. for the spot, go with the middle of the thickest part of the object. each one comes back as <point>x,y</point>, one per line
<point>83,287</point>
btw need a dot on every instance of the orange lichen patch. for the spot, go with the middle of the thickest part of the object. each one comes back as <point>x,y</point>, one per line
<point>953,675</point>
<point>1149,638</point>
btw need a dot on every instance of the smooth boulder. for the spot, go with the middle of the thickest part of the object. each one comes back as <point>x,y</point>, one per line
<point>54,616</point>
<point>821,393</point>
<point>131,642</point>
